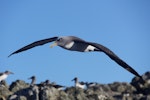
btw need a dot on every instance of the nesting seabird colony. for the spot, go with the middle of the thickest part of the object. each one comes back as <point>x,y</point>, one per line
<point>76,44</point>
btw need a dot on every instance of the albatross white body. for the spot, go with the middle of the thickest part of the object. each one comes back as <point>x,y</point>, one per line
<point>69,45</point>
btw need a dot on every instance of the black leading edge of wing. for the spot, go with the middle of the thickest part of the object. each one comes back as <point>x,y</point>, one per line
<point>34,44</point>
<point>114,57</point>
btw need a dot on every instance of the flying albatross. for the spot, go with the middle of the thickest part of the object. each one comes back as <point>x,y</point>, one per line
<point>76,44</point>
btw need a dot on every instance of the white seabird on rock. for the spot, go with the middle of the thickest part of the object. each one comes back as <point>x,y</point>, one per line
<point>4,75</point>
<point>79,84</point>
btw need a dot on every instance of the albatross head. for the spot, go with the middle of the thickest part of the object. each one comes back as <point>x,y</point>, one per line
<point>63,42</point>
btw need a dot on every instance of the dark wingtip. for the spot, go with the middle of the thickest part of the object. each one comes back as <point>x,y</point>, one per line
<point>36,43</point>
<point>10,55</point>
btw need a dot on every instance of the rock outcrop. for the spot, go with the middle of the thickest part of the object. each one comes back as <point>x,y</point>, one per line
<point>135,90</point>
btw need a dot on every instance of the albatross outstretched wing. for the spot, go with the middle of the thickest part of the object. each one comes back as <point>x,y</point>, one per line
<point>114,57</point>
<point>34,44</point>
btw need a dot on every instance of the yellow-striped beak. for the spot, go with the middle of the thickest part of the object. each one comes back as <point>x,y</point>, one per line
<point>54,44</point>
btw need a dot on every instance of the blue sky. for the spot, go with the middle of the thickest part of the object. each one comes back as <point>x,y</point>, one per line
<point>122,26</point>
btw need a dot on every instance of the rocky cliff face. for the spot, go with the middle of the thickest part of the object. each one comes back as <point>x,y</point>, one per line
<point>136,90</point>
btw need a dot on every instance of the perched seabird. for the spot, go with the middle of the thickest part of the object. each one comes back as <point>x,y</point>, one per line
<point>76,44</point>
<point>47,82</point>
<point>33,78</point>
<point>4,75</point>
<point>79,84</point>
<point>58,87</point>
<point>91,84</point>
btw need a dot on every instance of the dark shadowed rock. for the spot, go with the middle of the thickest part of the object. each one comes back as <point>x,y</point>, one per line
<point>31,93</point>
<point>18,85</point>
<point>143,88</point>
<point>51,93</point>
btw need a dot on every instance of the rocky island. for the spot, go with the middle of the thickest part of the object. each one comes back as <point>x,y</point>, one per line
<point>135,90</point>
